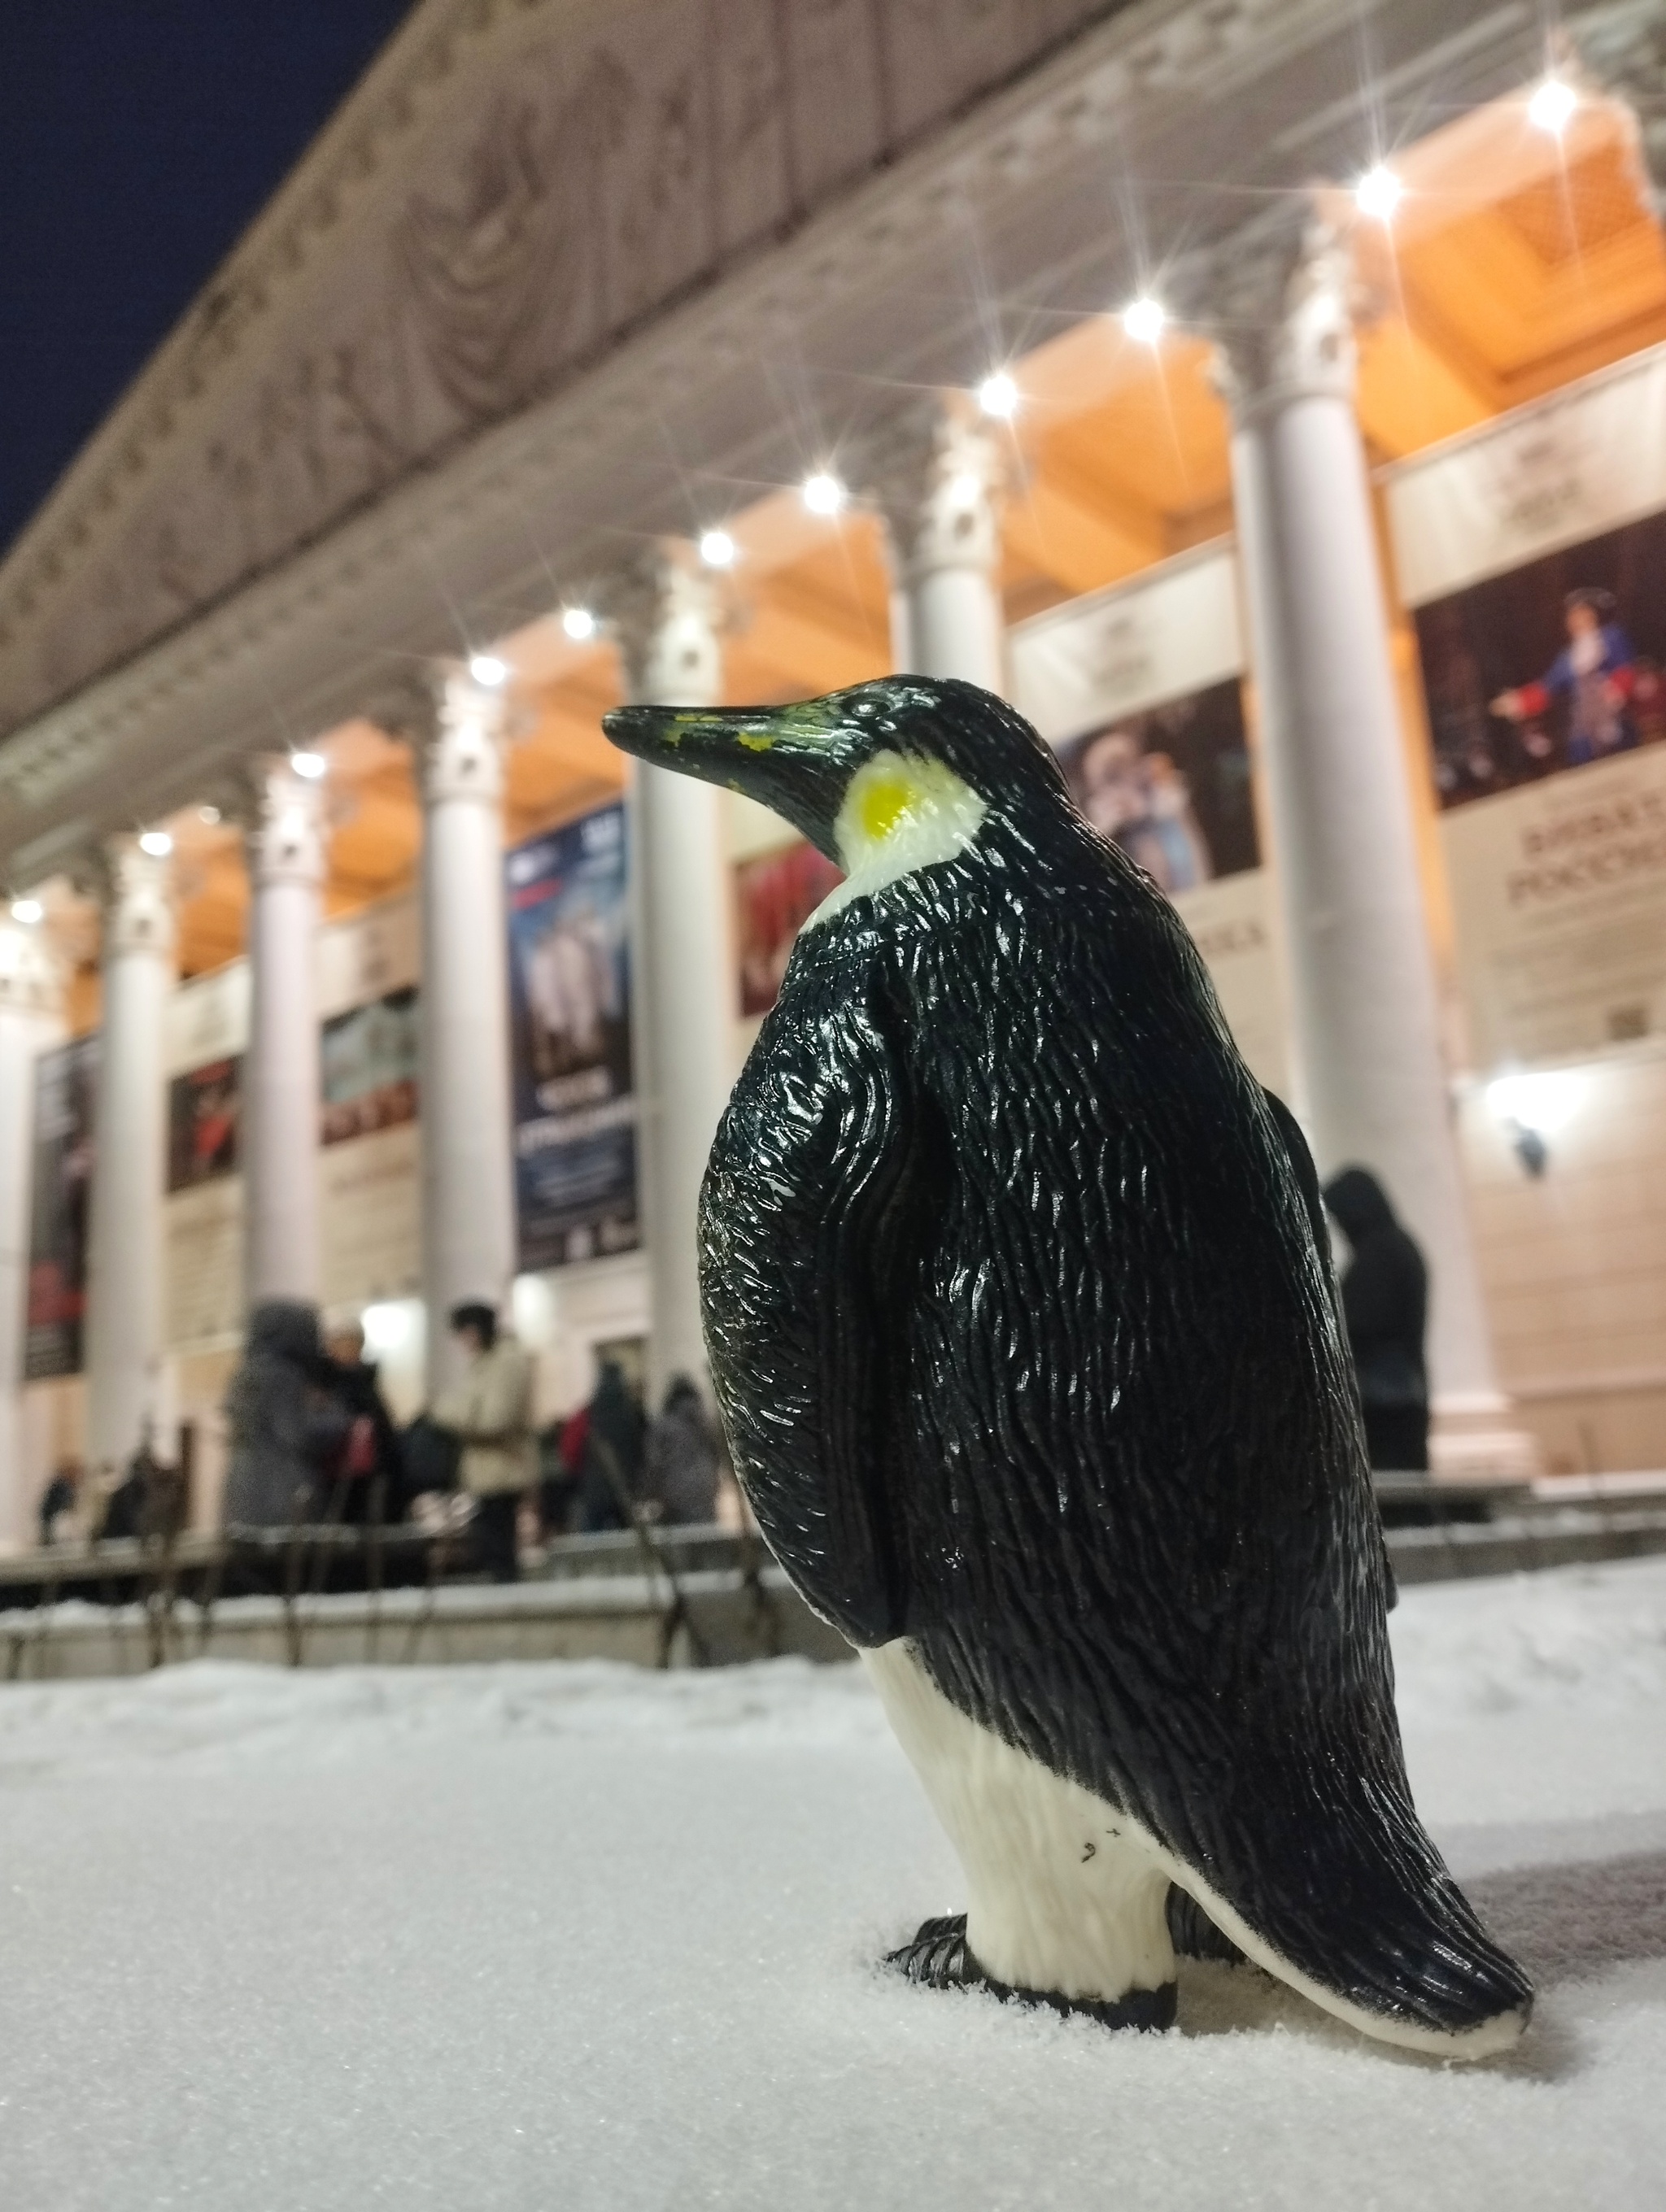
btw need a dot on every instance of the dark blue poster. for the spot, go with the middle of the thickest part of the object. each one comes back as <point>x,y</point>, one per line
<point>570,1000</point>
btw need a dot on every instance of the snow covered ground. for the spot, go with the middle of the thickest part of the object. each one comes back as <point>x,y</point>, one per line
<point>581,1937</point>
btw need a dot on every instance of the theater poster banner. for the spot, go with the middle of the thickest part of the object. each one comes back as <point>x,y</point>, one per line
<point>776,894</point>
<point>61,1182</point>
<point>202,1107</point>
<point>369,1171</point>
<point>207,1032</point>
<point>1533,556</point>
<point>574,1106</point>
<point>369,1067</point>
<point>1139,690</point>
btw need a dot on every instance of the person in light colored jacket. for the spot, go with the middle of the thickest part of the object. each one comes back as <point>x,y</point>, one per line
<point>491,1413</point>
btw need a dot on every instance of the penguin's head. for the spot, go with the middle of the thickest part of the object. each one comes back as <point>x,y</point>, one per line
<point>883,779</point>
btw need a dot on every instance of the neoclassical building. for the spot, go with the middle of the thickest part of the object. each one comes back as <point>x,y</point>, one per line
<point>1269,395</point>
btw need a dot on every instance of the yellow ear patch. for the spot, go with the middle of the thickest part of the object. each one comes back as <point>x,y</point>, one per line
<point>882,804</point>
<point>900,812</point>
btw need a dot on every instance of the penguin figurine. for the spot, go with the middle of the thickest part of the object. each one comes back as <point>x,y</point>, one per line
<point>1020,1313</point>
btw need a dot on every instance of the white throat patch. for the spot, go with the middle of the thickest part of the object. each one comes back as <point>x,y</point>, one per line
<point>899,813</point>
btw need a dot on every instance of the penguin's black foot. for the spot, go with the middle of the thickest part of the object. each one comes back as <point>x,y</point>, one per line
<point>1195,1936</point>
<point>939,1958</point>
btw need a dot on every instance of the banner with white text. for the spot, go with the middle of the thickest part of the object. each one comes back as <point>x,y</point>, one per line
<point>1533,555</point>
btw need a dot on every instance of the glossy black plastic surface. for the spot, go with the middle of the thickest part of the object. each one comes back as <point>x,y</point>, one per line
<point>1022,1320</point>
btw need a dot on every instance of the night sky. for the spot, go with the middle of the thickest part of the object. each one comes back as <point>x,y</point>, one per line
<point>138,138</point>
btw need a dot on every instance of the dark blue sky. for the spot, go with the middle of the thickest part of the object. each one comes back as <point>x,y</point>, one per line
<point>137,139</point>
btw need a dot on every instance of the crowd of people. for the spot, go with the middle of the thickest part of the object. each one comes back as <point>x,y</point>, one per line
<point>312,1440</point>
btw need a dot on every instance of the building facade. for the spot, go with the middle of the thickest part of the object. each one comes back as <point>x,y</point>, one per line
<point>1268,397</point>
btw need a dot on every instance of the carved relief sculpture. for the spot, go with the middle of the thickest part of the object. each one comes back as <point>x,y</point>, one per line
<point>1019,1307</point>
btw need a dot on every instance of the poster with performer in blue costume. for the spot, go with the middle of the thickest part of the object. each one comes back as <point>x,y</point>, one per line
<point>569,1002</point>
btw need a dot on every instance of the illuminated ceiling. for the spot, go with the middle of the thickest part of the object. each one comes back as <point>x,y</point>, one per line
<point>1515,262</point>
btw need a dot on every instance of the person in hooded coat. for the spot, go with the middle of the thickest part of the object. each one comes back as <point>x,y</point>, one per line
<point>287,1428</point>
<point>684,1453</point>
<point>613,1451</point>
<point>1385,1304</point>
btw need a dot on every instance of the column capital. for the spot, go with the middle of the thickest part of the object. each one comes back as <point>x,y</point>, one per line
<point>407,705</point>
<point>666,617</point>
<point>1621,51</point>
<point>136,893</point>
<point>463,747</point>
<point>30,974</point>
<point>938,476</point>
<point>1280,297</point>
<point>284,822</point>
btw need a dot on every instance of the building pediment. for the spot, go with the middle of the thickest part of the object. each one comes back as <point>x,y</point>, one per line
<point>510,192</point>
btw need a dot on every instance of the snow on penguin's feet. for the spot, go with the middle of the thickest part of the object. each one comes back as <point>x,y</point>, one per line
<point>939,1958</point>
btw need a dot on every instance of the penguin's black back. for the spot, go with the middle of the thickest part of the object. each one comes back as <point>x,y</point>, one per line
<point>1028,1353</point>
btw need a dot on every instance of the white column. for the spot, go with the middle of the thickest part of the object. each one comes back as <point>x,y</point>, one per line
<point>683,983</point>
<point>938,475</point>
<point>468,1159</point>
<point>30,1001</point>
<point>281,1086</point>
<point>126,1256</point>
<point>1373,1088</point>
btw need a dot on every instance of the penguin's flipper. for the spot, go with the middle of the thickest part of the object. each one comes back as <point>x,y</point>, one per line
<point>1330,1882</point>
<point>1301,1166</point>
<point>1307,1178</point>
<point>816,1197</point>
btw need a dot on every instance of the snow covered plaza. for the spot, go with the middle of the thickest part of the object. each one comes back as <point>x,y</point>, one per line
<point>587,1936</point>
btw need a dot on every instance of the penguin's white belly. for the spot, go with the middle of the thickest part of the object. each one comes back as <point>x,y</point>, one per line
<point>1048,1913</point>
<point>1064,1894</point>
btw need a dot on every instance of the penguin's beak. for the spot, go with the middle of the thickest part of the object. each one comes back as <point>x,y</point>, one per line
<point>796,760</point>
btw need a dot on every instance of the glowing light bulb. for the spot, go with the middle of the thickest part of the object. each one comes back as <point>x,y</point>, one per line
<point>27,910</point>
<point>1143,320</point>
<point>999,396</point>
<point>155,843</point>
<point>486,669</point>
<point>717,549</point>
<point>579,623</point>
<point>1552,106</point>
<point>824,494</point>
<point>1378,193</point>
<point>310,765</point>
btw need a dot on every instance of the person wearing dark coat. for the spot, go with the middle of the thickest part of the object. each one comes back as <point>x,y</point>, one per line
<point>57,1502</point>
<point>684,1453</point>
<point>372,1454</point>
<point>287,1428</point>
<point>1385,1304</point>
<point>613,1448</point>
